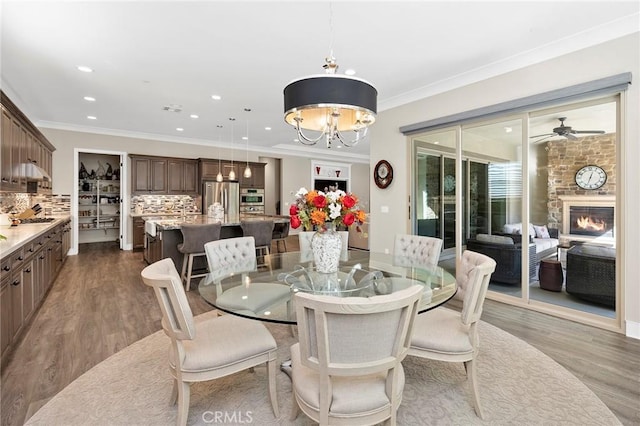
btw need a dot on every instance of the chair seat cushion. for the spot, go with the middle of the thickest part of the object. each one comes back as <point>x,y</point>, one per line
<point>351,395</point>
<point>223,341</point>
<point>441,331</point>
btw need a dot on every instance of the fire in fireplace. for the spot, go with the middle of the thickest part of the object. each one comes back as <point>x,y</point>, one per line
<point>593,221</point>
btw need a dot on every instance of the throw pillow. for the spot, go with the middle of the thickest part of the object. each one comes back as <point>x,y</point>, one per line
<point>541,231</point>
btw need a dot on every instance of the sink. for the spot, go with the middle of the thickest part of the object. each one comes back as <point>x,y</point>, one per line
<point>150,227</point>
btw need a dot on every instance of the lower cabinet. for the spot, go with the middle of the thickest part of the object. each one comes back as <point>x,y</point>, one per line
<point>27,274</point>
<point>138,233</point>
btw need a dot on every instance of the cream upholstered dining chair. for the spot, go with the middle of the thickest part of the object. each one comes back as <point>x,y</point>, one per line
<point>206,347</point>
<point>346,368</point>
<point>238,256</point>
<point>194,238</point>
<point>416,249</point>
<point>446,335</point>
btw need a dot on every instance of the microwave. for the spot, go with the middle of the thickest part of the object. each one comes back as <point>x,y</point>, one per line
<point>252,197</point>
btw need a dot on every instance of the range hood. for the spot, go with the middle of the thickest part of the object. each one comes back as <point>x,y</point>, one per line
<point>34,172</point>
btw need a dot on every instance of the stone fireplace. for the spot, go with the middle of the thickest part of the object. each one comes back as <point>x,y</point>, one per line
<point>588,216</point>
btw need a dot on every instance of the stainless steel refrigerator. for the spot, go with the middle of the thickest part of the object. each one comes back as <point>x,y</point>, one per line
<point>225,193</point>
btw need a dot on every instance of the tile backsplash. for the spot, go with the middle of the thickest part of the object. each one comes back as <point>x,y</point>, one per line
<point>52,204</point>
<point>152,204</point>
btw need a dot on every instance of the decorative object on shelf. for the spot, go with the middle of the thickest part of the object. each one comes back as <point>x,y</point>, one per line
<point>83,172</point>
<point>92,175</point>
<point>100,172</point>
<point>591,177</point>
<point>330,104</point>
<point>86,186</point>
<point>324,212</point>
<point>383,174</point>
<point>109,173</point>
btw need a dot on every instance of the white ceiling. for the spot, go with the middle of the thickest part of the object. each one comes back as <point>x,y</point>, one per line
<point>150,54</point>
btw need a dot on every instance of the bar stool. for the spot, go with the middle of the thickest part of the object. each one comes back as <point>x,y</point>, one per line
<point>194,238</point>
<point>280,233</point>
<point>261,231</point>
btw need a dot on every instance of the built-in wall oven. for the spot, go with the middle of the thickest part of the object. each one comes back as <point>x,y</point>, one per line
<point>251,200</point>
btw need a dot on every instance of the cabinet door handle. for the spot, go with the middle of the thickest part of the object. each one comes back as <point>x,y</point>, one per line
<point>6,268</point>
<point>41,257</point>
<point>27,271</point>
<point>31,250</point>
<point>20,258</point>
<point>16,282</point>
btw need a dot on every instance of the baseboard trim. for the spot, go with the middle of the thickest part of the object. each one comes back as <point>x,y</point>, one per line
<point>632,329</point>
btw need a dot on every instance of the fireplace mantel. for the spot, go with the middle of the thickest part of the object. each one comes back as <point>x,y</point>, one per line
<point>583,201</point>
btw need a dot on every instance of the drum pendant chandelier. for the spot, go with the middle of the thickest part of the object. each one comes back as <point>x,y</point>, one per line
<point>331,104</point>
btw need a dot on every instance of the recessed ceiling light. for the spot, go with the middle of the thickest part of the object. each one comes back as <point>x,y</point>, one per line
<point>92,117</point>
<point>216,97</point>
<point>508,129</point>
<point>350,72</point>
<point>296,140</point>
<point>84,68</point>
<point>194,116</point>
<point>89,98</point>
<point>267,128</point>
<point>244,138</point>
<point>436,142</point>
<point>180,129</point>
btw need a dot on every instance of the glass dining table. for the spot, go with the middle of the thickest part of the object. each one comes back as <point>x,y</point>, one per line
<point>266,293</point>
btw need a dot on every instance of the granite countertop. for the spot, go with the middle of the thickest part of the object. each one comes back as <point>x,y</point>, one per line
<point>170,223</point>
<point>17,236</point>
<point>163,214</point>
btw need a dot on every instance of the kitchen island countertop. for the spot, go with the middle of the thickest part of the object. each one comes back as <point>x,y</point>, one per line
<point>170,223</point>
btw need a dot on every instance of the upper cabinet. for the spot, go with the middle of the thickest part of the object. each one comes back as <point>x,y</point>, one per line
<point>257,176</point>
<point>22,146</point>
<point>162,175</point>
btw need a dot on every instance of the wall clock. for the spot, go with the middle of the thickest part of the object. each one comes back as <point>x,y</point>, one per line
<point>591,177</point>
<point>383,174</point>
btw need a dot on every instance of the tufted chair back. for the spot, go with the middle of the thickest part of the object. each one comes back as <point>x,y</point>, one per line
<point>416,249</point>
<point>230,255</point>
<point>472,278</point>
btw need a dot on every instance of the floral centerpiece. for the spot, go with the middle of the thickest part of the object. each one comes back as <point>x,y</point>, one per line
<point>325,210</point>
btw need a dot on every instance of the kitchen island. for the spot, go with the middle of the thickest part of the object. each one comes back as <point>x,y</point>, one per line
<point>163,234</point>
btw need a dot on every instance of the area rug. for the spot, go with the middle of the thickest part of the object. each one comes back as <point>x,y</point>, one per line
<point>519,385</point>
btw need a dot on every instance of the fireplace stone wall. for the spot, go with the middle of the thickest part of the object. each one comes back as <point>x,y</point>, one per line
<point>565,158</point>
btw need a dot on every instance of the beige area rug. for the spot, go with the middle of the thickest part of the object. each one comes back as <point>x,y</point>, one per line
<point>519,385</point>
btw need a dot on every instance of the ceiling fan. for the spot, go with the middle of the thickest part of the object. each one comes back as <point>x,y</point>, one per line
<point>565,131</point>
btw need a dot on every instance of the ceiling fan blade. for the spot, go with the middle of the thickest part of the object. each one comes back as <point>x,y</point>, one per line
<point>571,136</point>
<point>598,132</point>
<point>544,138</point>
<point>545,134</point>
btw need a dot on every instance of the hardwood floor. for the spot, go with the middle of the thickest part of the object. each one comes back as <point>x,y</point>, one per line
<point>99,305</point>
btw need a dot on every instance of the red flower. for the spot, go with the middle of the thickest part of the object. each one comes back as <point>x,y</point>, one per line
<point>348,219</point>
<point>293,210</point>
<point>295,222</point>
<point>320,202</point>
<point>348,201</point>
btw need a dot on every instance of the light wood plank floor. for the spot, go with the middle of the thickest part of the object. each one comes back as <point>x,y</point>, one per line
<point>99,305</point>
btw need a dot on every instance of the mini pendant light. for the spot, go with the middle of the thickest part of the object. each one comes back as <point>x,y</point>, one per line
<point>247,170</point>
<point>232,174</point>
<point>219,177</point>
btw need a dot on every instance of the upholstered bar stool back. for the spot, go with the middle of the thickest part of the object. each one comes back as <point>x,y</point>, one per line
<point>261,231</point>
<point>194,238</point>
<point>280,233</point>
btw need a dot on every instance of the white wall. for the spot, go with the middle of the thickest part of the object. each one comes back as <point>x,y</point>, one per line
<point>614,57</point>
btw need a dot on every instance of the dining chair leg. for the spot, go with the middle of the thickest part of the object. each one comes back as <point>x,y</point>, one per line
<point>471,373</point>
<point>184,267</point>
<point>273,395</point>
<point>187,283</point>
<point>295,410</point>
<point>184,393</point>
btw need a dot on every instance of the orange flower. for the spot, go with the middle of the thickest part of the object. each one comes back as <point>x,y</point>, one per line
<point>311,195</point>
<point>318,217</point>
<point>361,216</point>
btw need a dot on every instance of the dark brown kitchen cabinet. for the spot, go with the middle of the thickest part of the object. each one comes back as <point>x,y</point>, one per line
<point>182,176</point>
<point>149,175</point>
<point>22,143</point>
<point>257,176</point>
<point>209,169</point>
<point>138,233</point>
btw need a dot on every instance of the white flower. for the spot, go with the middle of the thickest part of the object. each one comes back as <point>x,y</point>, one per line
<point>301,192</point>
<point>339,193</point>
<point>334,211</point>
<point>333,196</point>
